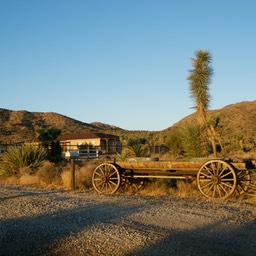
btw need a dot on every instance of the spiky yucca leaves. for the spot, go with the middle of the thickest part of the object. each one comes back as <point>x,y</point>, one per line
<point>138,150</point>
<point>122,157</point>
<point>200,79</point>
<point>25,158</point>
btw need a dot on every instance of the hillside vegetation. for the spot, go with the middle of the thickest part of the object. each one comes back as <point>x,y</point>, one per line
<point>236,127</point>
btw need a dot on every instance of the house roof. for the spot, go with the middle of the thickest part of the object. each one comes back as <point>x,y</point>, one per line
<point>79,136</point>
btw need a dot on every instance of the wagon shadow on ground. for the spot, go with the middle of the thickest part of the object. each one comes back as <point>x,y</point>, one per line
<point>43,231</point>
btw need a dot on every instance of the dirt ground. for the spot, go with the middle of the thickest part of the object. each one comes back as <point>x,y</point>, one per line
<point>34,221</point>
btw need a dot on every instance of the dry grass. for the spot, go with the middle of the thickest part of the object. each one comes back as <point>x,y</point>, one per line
<point>83,176</point>
<point>162,187</point>
<point>187,189</point>
<point>29,180</point>
<point>158,187</point>
<point>54,176</point>
<point>49,174</point>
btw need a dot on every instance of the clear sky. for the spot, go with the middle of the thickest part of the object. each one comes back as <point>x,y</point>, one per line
<point>123,62</point>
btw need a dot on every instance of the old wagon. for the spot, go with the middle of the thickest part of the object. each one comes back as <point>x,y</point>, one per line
<point>216,178</point>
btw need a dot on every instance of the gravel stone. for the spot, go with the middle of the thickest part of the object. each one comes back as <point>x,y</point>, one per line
<point>42,222</point>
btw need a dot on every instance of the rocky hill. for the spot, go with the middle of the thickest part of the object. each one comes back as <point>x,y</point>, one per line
<point>17,126</point>
<point>237,124</point>
<point>236,121</point>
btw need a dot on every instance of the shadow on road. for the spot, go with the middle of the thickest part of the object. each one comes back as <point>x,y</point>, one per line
<point>36,235</point>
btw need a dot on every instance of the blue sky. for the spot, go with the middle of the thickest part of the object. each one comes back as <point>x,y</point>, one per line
<point>123,62</point>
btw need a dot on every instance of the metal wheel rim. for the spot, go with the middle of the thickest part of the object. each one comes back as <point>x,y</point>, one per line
<point>106,179</point>
<point>217,179</point>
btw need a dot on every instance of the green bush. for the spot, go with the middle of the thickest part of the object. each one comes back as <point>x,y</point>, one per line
<point>25,159</point>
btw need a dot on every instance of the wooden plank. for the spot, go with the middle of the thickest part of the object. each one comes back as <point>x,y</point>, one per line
<point>184,167</point>
<point>160,165</point>
<point>239,166</point>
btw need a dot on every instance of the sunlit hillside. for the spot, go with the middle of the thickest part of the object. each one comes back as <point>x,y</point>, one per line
<point>237,122</point>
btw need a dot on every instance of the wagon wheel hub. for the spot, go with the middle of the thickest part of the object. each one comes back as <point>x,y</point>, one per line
<point>104,179</point>
<point>215,180</point>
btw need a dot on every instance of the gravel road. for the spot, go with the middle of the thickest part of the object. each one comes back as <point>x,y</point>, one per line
<point>52,222</point>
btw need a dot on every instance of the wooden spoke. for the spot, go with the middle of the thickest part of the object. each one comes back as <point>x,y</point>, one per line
<point>243,181</point>
<point>216,179</point>
<point>106,178</point>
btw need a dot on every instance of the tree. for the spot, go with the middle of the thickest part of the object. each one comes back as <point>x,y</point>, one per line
<point>174,143</point>
<point>189,138</point>
<point>47,138</point>
<point>200,79</point>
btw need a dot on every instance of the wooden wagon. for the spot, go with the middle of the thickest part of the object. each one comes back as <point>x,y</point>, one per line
<point>216,178</point>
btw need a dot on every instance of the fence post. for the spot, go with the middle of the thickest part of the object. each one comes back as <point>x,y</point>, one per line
<point>72,174</point>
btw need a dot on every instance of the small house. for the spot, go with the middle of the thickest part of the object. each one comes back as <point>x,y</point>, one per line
<point>100,143</point>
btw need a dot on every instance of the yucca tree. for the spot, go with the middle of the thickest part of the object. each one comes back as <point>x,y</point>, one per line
<point>199,81</point>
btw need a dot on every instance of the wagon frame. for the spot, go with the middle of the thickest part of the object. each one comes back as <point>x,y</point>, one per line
<point>216,178</point>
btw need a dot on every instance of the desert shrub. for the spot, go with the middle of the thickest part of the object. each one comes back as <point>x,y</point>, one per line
<point>29,180</point>
<point>65,177</point>
<point>138,150</point>
<point>49,173</point>
<point>187,189</point>
<point>24,159</point>
<point>162,187</point>
<point>157,187</point>
<point>190,135</point>
<point>83,176</point>
<point>174,144</point>
<point>122,157</point>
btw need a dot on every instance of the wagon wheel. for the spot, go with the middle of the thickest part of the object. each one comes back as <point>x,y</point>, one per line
<point>217,179</point>
<point>243,181</point>
<point>106,178</point>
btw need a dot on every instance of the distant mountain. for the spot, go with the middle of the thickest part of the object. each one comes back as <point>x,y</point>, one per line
<point>16,126</point>
<point>238,118</point>
<point>236,121</point>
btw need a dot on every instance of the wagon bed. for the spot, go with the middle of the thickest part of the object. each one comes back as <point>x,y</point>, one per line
<point>216,178</point>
